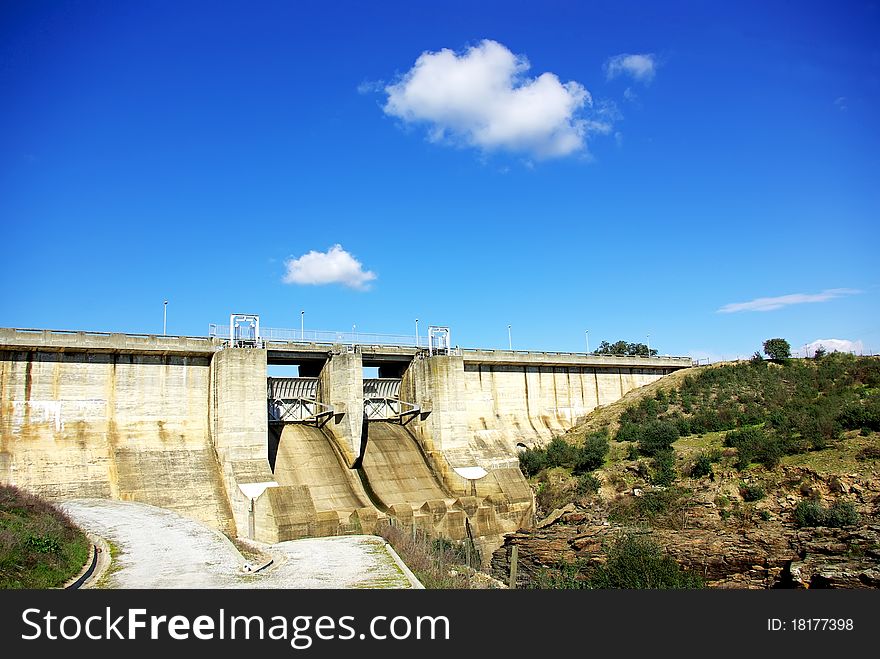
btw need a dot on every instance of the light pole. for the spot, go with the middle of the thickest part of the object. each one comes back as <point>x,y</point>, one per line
<point>354,333</point>
<point>587,339</point>
<point>302,325</point>
<point>164,317</point>
<point>649,345</point>
<point>509,340</point>
<point>417,332</point>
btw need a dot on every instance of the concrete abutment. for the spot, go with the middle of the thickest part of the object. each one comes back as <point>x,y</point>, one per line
<point>183,424</point>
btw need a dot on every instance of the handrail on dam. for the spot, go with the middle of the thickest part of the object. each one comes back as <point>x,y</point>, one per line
<point>87,341</point>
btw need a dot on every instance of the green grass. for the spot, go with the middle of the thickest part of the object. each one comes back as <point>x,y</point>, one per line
<point>39,546</point>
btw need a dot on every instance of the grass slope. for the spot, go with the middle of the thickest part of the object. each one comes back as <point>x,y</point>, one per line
<point>39,546</point>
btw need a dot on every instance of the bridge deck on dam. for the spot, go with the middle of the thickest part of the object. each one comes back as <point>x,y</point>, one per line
<point>283,352</point>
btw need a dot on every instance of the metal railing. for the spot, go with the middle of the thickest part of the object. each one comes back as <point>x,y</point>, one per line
<point>221,331</point>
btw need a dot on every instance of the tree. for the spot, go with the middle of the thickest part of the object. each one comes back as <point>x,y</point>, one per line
<point>820,352</point>
<point>624,349</point>
<point>777,349</point>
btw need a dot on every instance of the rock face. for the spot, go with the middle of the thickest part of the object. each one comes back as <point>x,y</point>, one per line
<point>755,546</point>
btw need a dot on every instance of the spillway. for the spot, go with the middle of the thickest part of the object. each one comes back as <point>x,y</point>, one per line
<point>397,470</point>
<point>306,456</point>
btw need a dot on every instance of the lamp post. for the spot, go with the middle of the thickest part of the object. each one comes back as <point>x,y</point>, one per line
<point>509,340</point>
<point>164,317</point>
<point>587,339</point>
<point>354,333</point>
<point>649,345</point>
<point>417,332</point>
<point>302,325</point>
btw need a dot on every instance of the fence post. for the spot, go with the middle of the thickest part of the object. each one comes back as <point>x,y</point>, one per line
<point>514,554</point>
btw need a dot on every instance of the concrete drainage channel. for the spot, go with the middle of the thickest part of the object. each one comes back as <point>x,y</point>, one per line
<point>157,548</point>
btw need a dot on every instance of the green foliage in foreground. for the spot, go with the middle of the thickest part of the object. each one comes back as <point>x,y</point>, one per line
<point>39,546</point>
<point>559,453</point>
<point>632,562</point>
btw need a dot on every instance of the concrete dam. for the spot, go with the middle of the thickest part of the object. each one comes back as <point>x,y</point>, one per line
<point>197,426</point>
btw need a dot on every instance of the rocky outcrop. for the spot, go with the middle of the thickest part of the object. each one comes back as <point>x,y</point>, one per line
<point>728,542</point>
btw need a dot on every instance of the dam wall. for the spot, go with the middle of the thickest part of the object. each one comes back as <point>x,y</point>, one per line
<point>184,423</point>
<point>123,426</point>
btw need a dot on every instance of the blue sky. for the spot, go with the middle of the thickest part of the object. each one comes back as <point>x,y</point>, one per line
<point>676,160</point>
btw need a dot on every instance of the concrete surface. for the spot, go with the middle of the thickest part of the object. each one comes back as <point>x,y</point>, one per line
<point>181,423</point>
<point>157,548</point>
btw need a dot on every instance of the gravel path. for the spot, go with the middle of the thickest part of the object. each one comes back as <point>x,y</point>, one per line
<point>158,548</point>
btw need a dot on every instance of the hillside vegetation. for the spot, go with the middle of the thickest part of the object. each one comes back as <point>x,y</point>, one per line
<point>39,546</point>
<point>770,448</point>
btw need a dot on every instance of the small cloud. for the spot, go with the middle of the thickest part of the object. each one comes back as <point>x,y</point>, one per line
<point>618,138</point>
<point>630,95</point>
<point>335,266</point>
<point>773,303</point>
<point>370,86</point>
<point>483,98</point>
<point>841,104</point>
<point>833,345</point>
<point>640,67</point>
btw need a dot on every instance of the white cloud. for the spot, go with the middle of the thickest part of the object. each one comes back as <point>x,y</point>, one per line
<point>641,67</point>
<point>370,86</point>
<point>841,104</point>
<point>772,303</point>
<point>630,95</point>
<point>335,266</point>
<point>833,345</point>
<point>483,98</point>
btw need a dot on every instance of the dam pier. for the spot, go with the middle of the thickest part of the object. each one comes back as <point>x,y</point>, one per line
<point>198,426</point>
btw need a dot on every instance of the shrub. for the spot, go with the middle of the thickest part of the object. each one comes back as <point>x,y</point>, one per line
<point>628,432</point>
<point>657,436</point>
<point>664,467</point>
<point>588,484</point>
<point>632,453</point>
<point>751,492</point>
<point>592,454</point>
<point>531,461</point>
<point>560,453</point>
<point>754,445</point>
<point>637,562</point>
<point>809,513</point>
<point>702,466</point>
<point>842,513</point>
<point>812,513</point>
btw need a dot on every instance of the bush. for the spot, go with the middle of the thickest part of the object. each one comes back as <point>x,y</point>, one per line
<point>635,562</point>
<point>702,466</point>
<point>664,467</point>
<point>751,492</point>
<point>812,513</point>
<point>657,436</point>
<point>754,445</point>
<point>531,461</point>
<point>588,484</point>
<point>809,513</point>
<point>628,432</point>
<point>560,453</point>
<point>592,454</point>
<point>842,513</point>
